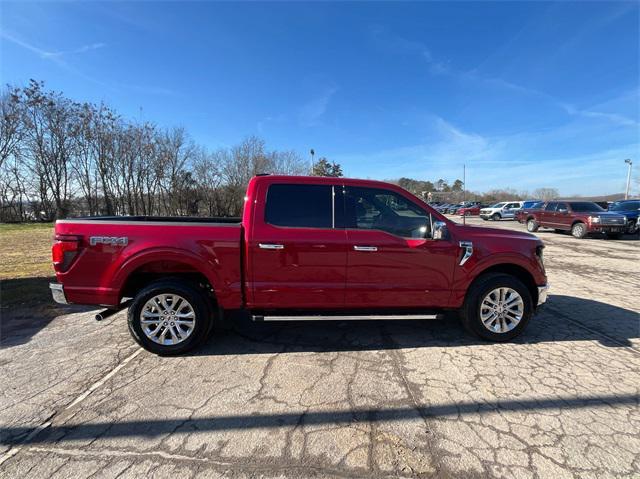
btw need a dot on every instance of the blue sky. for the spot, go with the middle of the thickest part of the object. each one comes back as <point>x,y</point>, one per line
<point>526,94</point>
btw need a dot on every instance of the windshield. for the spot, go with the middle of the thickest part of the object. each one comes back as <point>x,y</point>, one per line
<point>585,206</point>
<point>498,205</point>
<point>625,206</point>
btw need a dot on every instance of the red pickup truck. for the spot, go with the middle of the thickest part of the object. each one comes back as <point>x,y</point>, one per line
<point>578,217</point>
<point>306,248</point>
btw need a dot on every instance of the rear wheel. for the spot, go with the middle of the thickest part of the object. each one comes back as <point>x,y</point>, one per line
<point>497,308</point>
<point>170,317</point>
<point>579,230</point>
<point>495,216</point>
<point>532,225</point>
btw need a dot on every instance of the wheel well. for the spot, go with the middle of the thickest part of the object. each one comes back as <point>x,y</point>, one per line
<point>156,270</point>
<point>519,272</point>
<point>577,221</point>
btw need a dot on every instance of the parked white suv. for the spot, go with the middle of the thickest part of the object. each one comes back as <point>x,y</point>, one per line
<point>501,211</point>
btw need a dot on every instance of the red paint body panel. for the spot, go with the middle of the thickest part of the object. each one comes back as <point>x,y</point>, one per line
<point>316,268</point>
<point>98,274</point>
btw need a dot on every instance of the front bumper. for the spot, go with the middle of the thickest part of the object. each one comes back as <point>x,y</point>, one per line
<point>57,291</point>
<point>598,228</point>
<point>543,293</point>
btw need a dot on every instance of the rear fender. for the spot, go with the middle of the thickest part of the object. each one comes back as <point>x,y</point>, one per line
<point>153,255</point>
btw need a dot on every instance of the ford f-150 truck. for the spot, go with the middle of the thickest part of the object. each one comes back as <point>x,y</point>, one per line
<point>578,217</point>
<point>306,248</point>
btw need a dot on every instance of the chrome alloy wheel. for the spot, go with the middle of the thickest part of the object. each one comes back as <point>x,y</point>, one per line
<point>167,319</point>
<point>501,310</point>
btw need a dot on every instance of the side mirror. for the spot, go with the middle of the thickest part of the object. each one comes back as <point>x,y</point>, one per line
<point>440,230</point>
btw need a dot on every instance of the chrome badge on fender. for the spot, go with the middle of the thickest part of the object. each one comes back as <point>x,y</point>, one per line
<point>110,240</point>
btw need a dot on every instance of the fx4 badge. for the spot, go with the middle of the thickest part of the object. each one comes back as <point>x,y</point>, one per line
<point>112,240</point>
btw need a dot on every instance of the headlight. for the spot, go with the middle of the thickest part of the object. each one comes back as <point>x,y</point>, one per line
<point>594,219</point>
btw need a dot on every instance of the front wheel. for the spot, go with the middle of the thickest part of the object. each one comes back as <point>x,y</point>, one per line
<point>170,317</point>
<point>579,230</point>
<point>497,308</point>
<point>495,216</point>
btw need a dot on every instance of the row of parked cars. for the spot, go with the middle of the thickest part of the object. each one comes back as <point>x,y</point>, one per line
<point>497,211</point>
<point>578,217</point>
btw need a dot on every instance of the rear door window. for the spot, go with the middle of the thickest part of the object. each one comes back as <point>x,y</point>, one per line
<point>301,206</point>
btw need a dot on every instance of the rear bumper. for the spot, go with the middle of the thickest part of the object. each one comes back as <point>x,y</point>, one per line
<point>543,293</point>
<point>57,292</point>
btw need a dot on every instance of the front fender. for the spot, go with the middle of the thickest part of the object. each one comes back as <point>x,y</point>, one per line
<point>465,275</point>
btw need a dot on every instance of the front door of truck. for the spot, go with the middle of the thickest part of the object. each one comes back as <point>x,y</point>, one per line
<point>297,256</point>
<point>548,215</point>
<point>562,217</point>
<point>391,260</point>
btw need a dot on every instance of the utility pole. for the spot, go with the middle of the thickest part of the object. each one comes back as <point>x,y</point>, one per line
<point>626,193</point>
<point>464,190</point>
<point>312,153</point>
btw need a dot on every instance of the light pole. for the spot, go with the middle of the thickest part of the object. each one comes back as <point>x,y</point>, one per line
<point>628,162</point>
<point>464,191</point>
<point>312,153</point>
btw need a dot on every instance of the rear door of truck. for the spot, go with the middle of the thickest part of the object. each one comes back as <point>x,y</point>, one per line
<point>297,257</point>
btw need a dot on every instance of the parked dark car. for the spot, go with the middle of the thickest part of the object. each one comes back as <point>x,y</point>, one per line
<point>630,209</point>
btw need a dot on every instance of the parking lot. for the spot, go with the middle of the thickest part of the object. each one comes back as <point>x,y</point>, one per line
<point>377,399</point>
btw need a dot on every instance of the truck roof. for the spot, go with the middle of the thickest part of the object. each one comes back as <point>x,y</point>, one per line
<point>322,180</point>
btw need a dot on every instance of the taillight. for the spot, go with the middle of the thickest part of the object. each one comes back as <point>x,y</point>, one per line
<point>64,251</point>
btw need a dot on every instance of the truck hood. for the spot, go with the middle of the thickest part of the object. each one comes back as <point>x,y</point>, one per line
<point>468,232</point>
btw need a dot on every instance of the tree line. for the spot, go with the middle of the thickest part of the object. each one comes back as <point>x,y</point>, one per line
<point>61,158</point>
<point>442,191</point>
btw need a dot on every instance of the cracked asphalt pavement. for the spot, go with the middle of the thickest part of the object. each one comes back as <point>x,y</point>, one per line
<point>339,399</point>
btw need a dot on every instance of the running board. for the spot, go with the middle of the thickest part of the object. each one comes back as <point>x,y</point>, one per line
<point>360,317</point>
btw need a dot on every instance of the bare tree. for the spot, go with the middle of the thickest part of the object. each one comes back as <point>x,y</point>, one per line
<point>546,194</point>
<point>11,122</point>
<point>48,124</point>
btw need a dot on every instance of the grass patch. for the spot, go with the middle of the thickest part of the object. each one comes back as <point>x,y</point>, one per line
<point>25,250</point>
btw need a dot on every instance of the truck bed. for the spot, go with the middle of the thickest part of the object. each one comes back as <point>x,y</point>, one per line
<point>114,249</point>
<point>167,219</point>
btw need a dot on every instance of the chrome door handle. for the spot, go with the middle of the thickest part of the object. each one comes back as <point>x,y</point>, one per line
<point>365,248</point>
<point>270,246</point>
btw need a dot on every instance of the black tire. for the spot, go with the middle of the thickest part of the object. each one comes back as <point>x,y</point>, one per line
<point>195,296</point>
<point>496,216</point>
<point>579,230</point>
<point>470,313</point>
<point>532,225</point>
<point>485,219</point>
